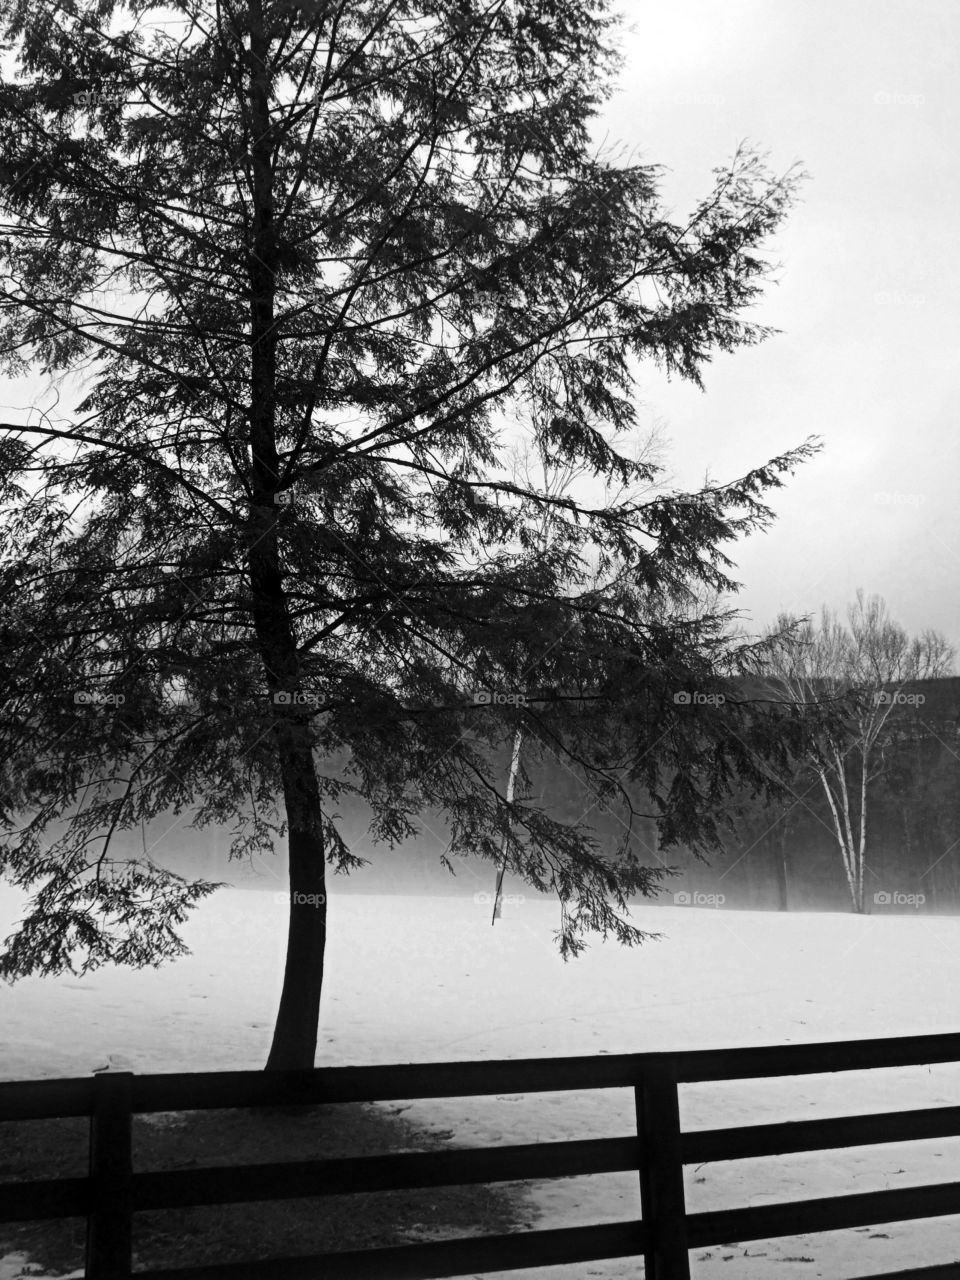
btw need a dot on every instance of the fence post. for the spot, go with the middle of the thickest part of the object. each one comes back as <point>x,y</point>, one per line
<point>110,1222</point>
<point>661,1175</point>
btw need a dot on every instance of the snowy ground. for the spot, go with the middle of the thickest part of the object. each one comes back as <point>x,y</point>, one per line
<point>428,979</point>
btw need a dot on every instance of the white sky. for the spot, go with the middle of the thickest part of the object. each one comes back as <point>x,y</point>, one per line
<point>866,94</point>
<point>863,93</point>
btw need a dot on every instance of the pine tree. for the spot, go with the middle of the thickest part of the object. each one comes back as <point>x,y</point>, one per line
<point>311,257</point>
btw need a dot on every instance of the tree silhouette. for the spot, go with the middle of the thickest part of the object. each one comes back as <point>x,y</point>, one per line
<point>309,258</point>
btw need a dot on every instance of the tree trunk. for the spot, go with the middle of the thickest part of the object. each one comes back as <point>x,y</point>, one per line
<point>295,1033</point>
<point>855,872</point>
<point>846,852</point>
<point>511,781</point>
<point>862,850</point>
<point>781,862</point>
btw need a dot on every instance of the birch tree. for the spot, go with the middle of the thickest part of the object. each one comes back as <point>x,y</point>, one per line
<point>871,659</point>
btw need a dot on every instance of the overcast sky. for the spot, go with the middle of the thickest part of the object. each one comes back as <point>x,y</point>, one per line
<point>866,94</point>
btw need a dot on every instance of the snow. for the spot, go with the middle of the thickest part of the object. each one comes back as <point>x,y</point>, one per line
<point>420,979</point>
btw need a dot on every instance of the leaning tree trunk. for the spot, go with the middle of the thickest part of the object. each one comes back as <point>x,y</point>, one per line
<point>855,853</point>
<point>839,829</point>
<point>511,782</point>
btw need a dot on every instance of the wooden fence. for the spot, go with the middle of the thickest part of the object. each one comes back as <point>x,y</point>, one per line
<point>113,1192</point>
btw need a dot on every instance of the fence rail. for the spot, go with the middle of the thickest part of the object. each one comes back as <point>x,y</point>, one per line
<point>113,1192</point>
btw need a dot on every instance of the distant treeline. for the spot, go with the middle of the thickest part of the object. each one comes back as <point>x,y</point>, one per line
<point>784,857</point>
<point>788,856</point>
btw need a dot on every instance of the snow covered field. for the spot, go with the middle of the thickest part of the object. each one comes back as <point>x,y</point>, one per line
<point>428,979</point>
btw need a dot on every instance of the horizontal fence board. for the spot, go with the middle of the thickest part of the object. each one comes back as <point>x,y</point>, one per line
<point>747,1142</point>
<point>46,1099</point>
<point>45,1198</point>
<point>836,1213</point>
<point>206,1090</point>
<point>188,1091</point>
<point>169,1189</point>
<point>807,1059</point>
<point>437,1259</point>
